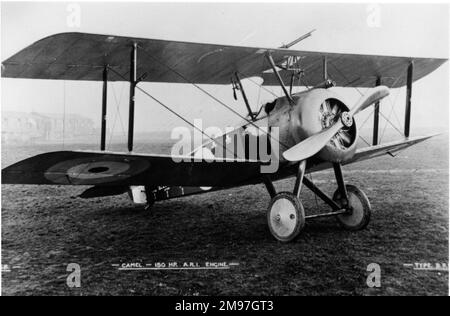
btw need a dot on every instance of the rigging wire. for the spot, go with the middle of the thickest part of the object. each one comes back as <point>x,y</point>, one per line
<point>117,101</point>
<point>381,113</point>
<point>304,82</point>
<point>173,112</point>
<point>211,96</point>
<point>246,76</point>
<point>361,95</point>
<point>372,112</point>
<point>228,107</point>
<point>392,110</point>
<point>388,121</point>
<point>259,85</point>
<point>259,97</point>
<point>395,100</point>
<point>390,114</point>
<point>364,140</point>
<point>344,76</point>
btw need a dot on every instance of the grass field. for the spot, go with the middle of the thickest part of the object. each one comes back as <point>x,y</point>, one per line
<point>44,228</point>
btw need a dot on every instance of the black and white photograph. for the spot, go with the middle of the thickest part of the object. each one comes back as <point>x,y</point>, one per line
<point>224,154</point>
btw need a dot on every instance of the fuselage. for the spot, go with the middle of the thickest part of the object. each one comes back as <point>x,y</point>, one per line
<point>279,125</point>
<point>282,124</point>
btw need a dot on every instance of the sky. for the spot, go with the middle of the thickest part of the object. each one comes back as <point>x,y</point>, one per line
<point>417,30</point>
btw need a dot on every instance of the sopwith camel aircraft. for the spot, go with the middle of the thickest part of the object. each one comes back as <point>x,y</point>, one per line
<point>316,129</point>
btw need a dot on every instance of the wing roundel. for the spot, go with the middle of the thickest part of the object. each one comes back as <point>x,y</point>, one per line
<point>108,168</point>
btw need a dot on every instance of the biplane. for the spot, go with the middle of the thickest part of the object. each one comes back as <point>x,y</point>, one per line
<point>316,128</point>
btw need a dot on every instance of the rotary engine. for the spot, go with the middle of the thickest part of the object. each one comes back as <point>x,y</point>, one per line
<point>313,112</point>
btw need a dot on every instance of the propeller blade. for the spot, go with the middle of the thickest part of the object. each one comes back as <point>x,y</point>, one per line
<point>371,97</point>
<point>312,145</point>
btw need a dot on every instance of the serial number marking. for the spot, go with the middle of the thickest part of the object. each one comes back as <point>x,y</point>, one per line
<point>246,306</point>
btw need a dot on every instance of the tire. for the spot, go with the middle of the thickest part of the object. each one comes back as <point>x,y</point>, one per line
<point>361,209</point>
<point>285,217</point>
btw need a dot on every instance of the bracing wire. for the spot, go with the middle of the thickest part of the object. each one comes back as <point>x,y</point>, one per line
<point>117,116</point>
<point>387,121</point>
<point>118,102</point>
<point>381,113</point>
<point>211,96</point>
<point>344,76</point>
<point>172,111</point>
<point>361,95</point>
<point>257,84</point>
<point>392,111</point>
<point>228,107</point>
<point>263,64</point>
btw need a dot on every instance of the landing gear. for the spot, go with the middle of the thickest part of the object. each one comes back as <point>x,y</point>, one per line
<point>149,197</point>
<point>286,215</point>
<point>359,207</point>
<point>149,206</point>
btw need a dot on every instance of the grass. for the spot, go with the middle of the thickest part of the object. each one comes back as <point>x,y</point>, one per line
<point>45,228</point>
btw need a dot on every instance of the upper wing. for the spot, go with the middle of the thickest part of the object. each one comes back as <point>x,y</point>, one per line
<point>107,168</point>
<point>351,70</point>
<point>81,56</point>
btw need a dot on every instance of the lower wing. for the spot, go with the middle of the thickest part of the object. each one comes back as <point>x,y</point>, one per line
<point>376,151</point>
<point>120,169</point>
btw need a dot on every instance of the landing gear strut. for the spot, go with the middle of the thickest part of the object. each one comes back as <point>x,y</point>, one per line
<point>354,201</point>
<point>286,215</point>
<point>150,198</point>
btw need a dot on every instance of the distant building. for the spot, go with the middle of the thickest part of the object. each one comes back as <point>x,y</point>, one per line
<point>21,127</point>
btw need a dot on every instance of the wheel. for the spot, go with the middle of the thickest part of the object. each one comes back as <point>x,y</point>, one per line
<point>285,216</point>
<point>360,207</point>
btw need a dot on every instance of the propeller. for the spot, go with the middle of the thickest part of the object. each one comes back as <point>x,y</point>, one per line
<point>312,145</point>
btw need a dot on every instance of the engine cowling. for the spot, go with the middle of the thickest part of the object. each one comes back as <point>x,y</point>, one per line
<point>314,111</point>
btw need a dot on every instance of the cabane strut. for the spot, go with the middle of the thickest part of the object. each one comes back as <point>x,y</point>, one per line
<point>244,96</point>
<point>280,81</point>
